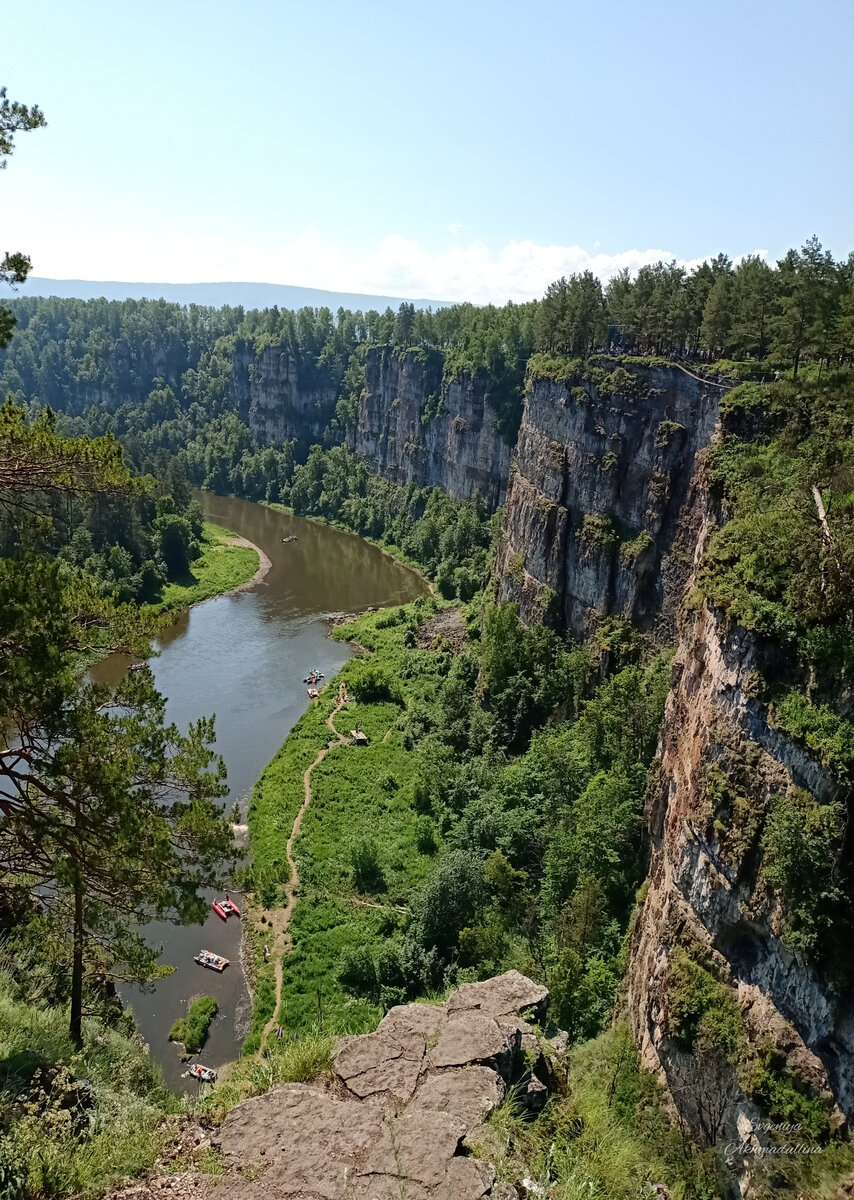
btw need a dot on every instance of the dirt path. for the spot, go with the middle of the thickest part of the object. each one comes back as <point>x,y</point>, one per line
<point>280,920</point>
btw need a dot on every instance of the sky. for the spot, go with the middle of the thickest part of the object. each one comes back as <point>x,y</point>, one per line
<point>455,150</point>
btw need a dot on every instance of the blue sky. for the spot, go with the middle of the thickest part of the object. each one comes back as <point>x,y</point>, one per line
<point>443,149</point>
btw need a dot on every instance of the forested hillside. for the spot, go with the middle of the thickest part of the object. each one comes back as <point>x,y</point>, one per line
<point>614,752</point>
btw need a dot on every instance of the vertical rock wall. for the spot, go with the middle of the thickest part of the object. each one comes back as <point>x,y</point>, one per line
<point>597,519</point>
<point>706,889</point>
<point>267,391</point>
<point>415,427</point>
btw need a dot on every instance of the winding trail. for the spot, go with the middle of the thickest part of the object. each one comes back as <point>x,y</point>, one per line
<point>282,918</point>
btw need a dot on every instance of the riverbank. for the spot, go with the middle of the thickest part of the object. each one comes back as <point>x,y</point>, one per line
<point>228,563</point>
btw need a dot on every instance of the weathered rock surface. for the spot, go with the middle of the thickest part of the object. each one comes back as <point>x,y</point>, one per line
<point>596,521</point>
<point>269,393</point>
<point>706,885</point>
<point>471,1093</point>
<point>503,996</point>
<point>396,1120</point>
<point>415,427</point>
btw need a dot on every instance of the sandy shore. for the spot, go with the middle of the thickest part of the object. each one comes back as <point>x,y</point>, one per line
<point>264,564</point>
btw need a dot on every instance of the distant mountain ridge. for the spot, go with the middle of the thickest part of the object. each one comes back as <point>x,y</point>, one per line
<point>249,295</point>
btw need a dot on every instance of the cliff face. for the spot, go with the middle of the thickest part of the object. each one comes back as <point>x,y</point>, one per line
<point>706,887</point>
<point>597,519</point>
<point>267,392</point>
<point>413,427</point>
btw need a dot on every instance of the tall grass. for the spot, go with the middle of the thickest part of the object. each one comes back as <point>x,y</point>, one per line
<point>294,1059</point>
<point>58,1138</point>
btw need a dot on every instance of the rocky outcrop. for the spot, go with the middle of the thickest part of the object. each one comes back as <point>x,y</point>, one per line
<point>405,1106</point>
<point>400,1116</point>
<point>414,426</point>
<point>276,399</point>
<point>598,514</point>
<point>720,764</point>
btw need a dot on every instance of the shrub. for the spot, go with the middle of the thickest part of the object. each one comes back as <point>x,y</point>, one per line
<point>631,551</point>
<point>425,835</point>
<point>370,682</point>
<point>666,432</point>
<point>785,1096</point>
<point>449,901</point>
<point>367,874</point>
<point>802,842</point>
<point>598,532</point>
<point>703,1011</point>
<point>357,972</point>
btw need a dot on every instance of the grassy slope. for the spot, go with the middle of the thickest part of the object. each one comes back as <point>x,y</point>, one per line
<point>357,793</point>
<point>220,568</point>
<point>41,1151</point>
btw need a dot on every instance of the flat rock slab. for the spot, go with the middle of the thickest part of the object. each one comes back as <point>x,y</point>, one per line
<point>469,1093</point>
<point>307,1140</point>
<point>416,1146</point>
<point>472,1038</point>
<point>426,1019</point>
<point>381,1064</point>
<point>500,997</point>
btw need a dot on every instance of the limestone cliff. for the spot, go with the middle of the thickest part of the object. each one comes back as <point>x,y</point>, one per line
<point>275,398</point>
<point>415,426</point>
<point>721,763</point>
<point>597,519</point>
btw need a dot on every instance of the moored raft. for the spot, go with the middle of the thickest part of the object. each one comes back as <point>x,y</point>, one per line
<point>203,1074</point>
<point>207,958</point>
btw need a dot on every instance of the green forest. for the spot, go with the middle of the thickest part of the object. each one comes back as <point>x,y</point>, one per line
<point>500,822</point>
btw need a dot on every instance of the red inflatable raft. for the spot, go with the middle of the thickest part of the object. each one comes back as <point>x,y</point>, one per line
<point>219,910</point>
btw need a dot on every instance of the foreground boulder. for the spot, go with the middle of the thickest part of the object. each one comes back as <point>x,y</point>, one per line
<point>404,1106</point>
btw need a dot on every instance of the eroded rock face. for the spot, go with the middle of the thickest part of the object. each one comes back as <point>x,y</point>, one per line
<point>405,1103</point>
<point>413,427</point>
<point>267,391</point>
<point>706,887</point>
<point>599,497</point>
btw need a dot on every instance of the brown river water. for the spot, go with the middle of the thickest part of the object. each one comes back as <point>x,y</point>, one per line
<point>244,657</point>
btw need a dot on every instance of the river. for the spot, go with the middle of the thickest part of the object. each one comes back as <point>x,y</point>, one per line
<point>243,657</point>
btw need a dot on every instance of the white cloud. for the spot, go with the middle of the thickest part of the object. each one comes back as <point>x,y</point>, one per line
<point>455,227</point>
<point>157,248</point>
<point>400,266</point>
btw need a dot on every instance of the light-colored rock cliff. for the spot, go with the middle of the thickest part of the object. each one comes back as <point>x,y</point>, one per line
<point>269,392</point>
<point>598,514</point>
<point>706,890</point>
<point>415,427</point>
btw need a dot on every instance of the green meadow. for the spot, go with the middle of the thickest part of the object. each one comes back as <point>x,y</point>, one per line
<point>363,803</point>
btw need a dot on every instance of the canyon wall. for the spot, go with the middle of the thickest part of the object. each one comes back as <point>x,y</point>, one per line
<point>415,427</point>
<point>721,766</point>
<point>267,391</point>
<point>597,519</point>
